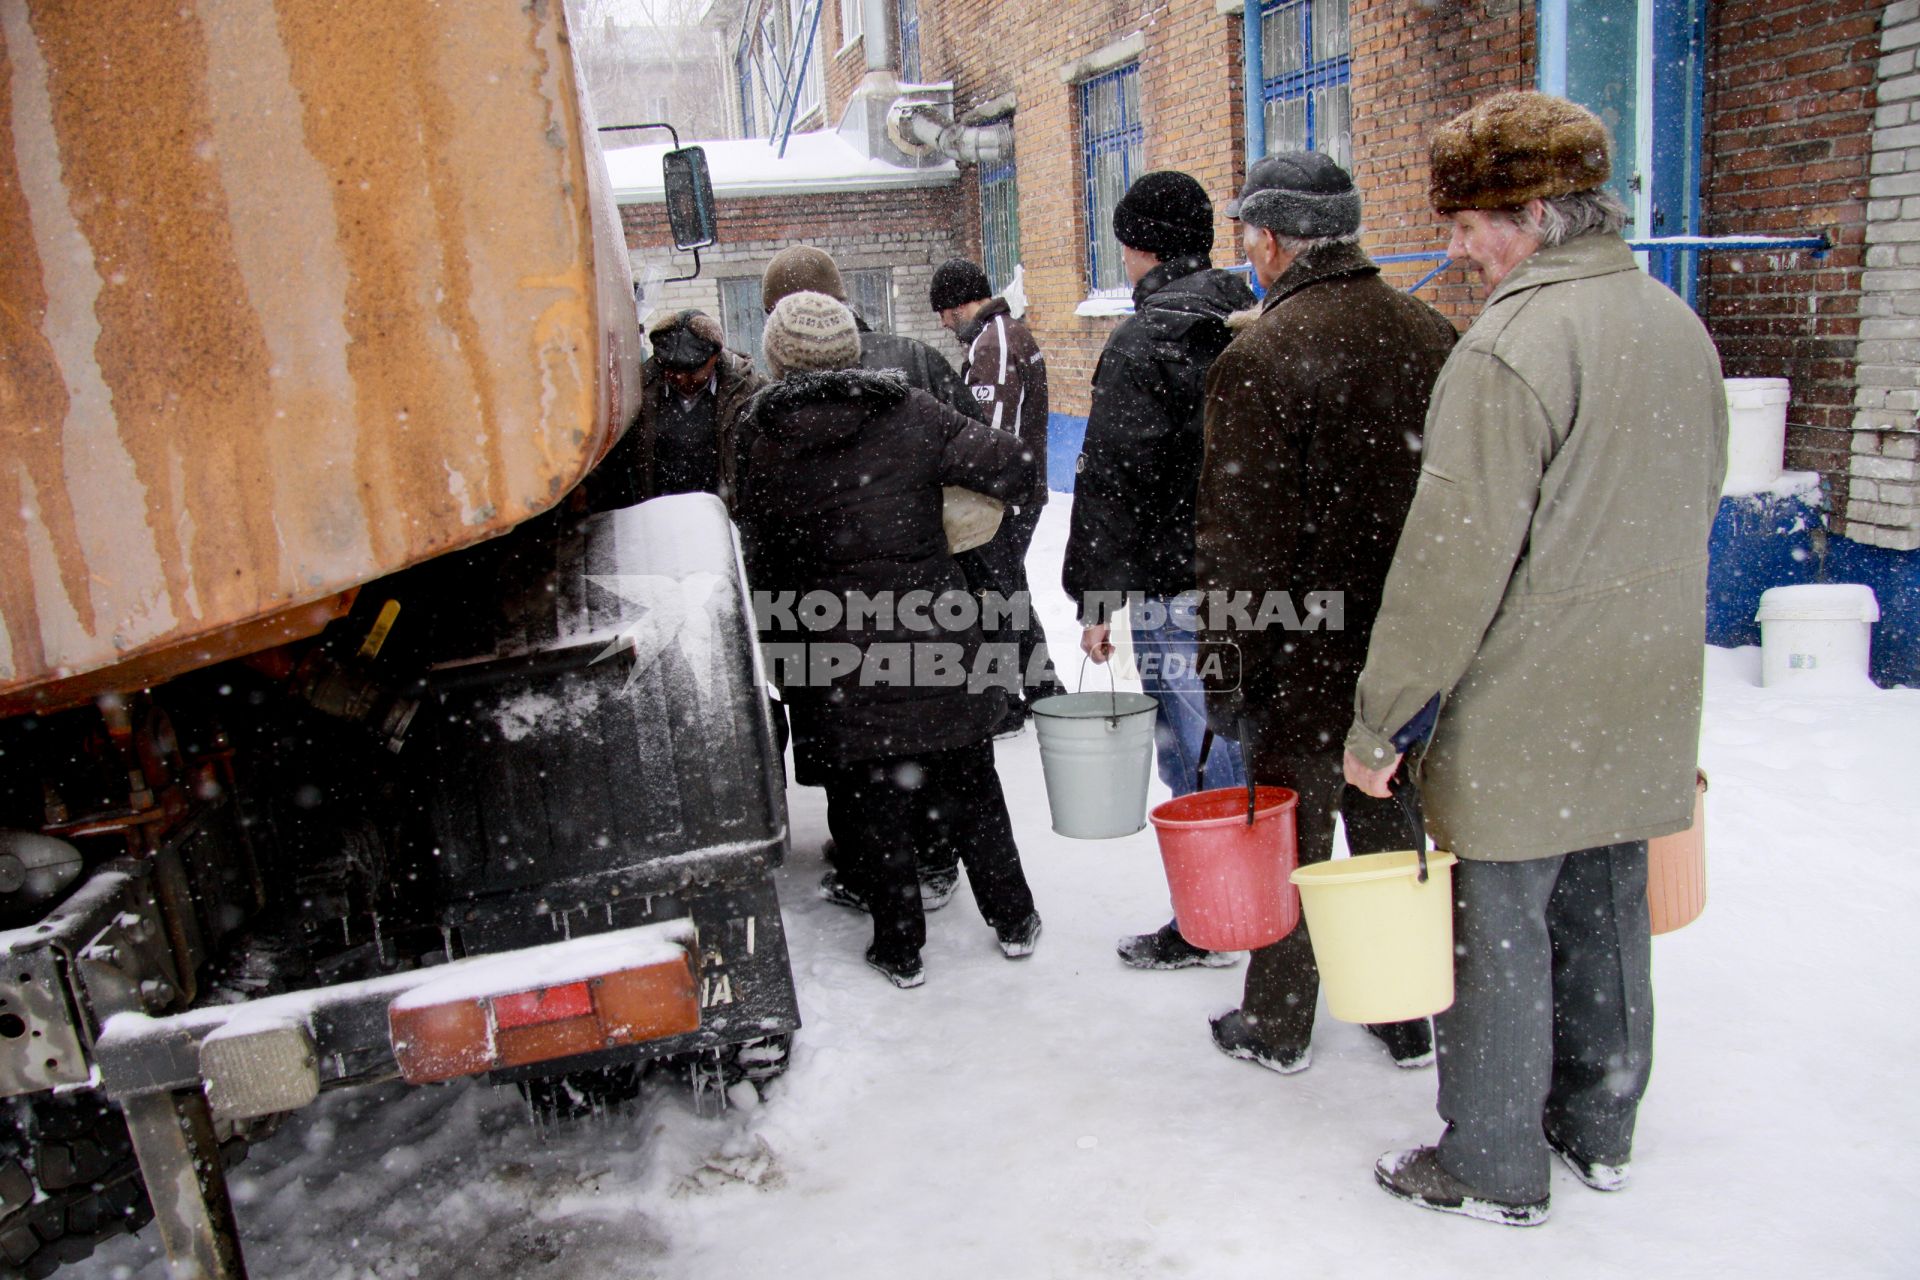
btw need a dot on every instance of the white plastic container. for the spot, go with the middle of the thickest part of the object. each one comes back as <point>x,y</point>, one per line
<point>1756,433</point>
<point>1818,634</point>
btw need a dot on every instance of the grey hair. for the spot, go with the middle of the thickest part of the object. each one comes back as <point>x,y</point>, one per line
<point>1568,217</point>
<point>1296,246</point>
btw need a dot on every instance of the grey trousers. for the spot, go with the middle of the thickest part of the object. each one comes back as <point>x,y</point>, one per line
<point>1551,1028</point>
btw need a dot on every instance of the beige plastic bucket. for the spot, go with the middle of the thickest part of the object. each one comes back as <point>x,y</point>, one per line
<point>1382,937</point>
<point>1677,870</point>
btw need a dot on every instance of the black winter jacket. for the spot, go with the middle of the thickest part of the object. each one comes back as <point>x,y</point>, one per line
<point>919,364</point>
<point>844,495</point>
<point>1135,479</point>
<point>1008,378</point>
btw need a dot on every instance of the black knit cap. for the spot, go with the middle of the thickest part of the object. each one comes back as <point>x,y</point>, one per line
<point>1167,213</point>
<point>957,282</point>
<point>1302,194</point>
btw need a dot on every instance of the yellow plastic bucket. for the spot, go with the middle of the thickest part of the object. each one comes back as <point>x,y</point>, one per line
<point>1382,935</point>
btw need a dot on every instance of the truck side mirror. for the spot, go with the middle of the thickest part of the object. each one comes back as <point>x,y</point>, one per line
<point>689,198</point>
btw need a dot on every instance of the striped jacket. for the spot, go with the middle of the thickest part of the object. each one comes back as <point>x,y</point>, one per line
<point>1008,378</point>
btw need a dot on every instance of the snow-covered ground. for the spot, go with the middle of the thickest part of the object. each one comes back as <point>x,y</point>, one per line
<point>1067,1117</point>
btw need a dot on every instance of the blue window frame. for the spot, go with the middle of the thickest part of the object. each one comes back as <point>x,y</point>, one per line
<point>1640,66</point>
<point>1113,147</point>
<point>1306,54</point>
<point>999,223</point>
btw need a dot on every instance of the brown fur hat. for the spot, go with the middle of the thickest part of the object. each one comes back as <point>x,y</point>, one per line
<point>1516,147</point>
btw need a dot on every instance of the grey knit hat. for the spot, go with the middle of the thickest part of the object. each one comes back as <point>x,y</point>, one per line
<point>808,332</point>
<point>1301,194</point>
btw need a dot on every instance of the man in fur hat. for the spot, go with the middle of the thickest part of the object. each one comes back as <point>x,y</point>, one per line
<point>686,439</point>
<point>1313,420</point>
<point>1547,600</point>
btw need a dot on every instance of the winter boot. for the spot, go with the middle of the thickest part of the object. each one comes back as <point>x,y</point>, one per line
<point>1234,1035</point>
<point>1415,1175</point>
<point>1166,949</point>
<point>903,973</point>
<point>1601,1177</point>
<point>1410,1043</point>
<point>936,887</point>
<point>1017,941</point>
<point>841,894</point>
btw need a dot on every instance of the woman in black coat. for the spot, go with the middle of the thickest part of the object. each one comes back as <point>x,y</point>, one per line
<point>842,506</point>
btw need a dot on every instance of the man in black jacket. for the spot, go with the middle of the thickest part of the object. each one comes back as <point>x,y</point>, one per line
<point>1133,502</point>
<point>1007,376</point>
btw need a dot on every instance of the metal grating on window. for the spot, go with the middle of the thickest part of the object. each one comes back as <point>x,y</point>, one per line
<point>1307,52</point>
<point>999,223</point>
<point>1113,144</point>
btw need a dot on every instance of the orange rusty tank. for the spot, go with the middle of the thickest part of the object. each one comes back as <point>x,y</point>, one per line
<point>291,299</point>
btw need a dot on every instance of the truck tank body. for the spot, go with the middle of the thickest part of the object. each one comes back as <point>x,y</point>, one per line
<point>294,295</point>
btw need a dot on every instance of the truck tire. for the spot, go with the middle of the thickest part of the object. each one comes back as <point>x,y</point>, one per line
<point>68,1180</point>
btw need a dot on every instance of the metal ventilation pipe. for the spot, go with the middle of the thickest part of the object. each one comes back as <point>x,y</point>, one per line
<point>920,129</point>
<point>877,36</point>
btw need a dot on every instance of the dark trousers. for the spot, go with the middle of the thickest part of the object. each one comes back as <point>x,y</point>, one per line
<point>1283,982</point>
<point>940,805</point>
<point>1001,566</point>
<point>1551,1028</point>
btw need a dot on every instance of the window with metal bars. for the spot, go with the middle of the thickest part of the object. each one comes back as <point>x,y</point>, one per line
<point>1306,49</point>
<point>1113,148</point>
<point>999,223</point>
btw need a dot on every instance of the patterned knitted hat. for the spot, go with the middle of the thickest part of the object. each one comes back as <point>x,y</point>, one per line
<point>808,332</point>
<point>1516,147</point>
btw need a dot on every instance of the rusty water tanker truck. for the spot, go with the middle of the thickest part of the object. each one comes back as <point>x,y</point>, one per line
<point>341,741</point>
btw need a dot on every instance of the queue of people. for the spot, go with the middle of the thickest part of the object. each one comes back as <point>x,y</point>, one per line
<point>1510,525</point>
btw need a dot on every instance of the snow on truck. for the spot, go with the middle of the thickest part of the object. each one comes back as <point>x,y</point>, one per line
<point>339,741</point>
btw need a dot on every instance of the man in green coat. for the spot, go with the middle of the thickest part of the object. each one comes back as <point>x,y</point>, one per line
<point>1547,598</point>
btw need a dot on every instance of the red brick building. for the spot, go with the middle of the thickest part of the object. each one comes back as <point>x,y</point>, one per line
<point>1731,118</point>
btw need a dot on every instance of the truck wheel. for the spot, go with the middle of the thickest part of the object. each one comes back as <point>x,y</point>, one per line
<point>68,1180</point>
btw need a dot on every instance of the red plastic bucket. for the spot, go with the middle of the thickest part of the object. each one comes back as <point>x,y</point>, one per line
<point>1230,881</point>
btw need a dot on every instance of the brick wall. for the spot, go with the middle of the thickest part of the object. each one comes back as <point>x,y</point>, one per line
<point>1189,104</point>
<point>1414,67</point>
<point>1790,94</point>
<point>911,230</point>
<point>1884,483</point>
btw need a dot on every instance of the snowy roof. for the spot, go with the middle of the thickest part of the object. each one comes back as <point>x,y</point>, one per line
<point>815,162</point>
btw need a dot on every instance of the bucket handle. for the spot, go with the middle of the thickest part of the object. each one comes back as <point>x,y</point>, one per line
<point>1404,794</point>
<point>1200,770</point>
<point>1113,690</point>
